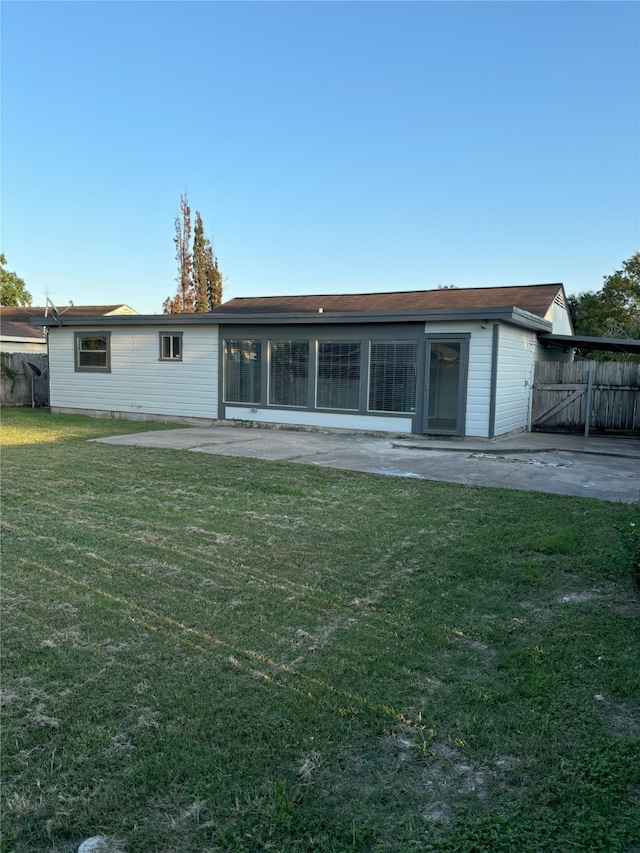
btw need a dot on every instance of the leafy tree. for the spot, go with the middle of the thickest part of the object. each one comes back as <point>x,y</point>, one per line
<point>13,290</point>
<point>614,311</point>
<point>199,279</point>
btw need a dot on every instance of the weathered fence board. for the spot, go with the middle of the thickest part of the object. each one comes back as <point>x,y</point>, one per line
<point>562,399</point>
<point>16,377</point>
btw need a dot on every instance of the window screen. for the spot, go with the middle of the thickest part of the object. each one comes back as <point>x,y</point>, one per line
<point>392,376</point>
<point>288,373</point>
<point>338,375</point>
<point>242,371</point>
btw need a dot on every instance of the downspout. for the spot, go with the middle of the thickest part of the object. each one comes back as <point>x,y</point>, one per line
<point>45,329</point>
<point>494,379</point>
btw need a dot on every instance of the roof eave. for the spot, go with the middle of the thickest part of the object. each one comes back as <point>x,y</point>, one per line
<point>506,314</point>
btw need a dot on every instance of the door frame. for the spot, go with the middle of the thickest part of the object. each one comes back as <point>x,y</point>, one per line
<point>461,419</point>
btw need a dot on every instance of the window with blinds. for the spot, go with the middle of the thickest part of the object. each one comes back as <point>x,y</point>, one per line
<point>242,371</point>
<point>338,375</point>
<point>392,376</point>
<point>288,373</point>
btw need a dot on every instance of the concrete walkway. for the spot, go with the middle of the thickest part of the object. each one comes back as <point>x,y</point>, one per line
<point>597,467</point>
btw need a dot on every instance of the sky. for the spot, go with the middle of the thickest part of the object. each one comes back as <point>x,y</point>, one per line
<point>330,147</point>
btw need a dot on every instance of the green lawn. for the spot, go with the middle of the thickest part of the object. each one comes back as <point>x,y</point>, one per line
<point>219,654</point>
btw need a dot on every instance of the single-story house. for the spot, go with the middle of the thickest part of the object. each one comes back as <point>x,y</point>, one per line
<point>450,361</point>
<point>17,334</point>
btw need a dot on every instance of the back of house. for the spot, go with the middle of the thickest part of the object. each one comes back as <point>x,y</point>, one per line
<point>453,361</point>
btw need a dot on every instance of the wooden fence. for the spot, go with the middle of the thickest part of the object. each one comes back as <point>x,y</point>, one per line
<point>586,396</point>
<point>21,384</point>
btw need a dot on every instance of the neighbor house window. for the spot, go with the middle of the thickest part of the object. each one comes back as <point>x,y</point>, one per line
<point>392,376</point>
<point>93,352</point>
<point>242,371</point>
<point>338,375</point>
<point>171,346</point>
<point>288,373</point>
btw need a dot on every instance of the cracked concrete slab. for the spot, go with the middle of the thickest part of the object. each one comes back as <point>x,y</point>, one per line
<point>568,465</point>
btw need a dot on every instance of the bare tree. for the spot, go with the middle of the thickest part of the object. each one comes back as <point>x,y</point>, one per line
<point>184,301</point>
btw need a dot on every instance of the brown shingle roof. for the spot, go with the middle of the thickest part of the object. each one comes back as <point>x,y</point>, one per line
<point>535,298</point>
<point>11,329</point>
<point>24,314</point>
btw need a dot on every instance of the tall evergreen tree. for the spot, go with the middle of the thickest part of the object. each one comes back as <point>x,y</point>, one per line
<point>214,278</point>
<point>199,279</point>
<point>200,267</point>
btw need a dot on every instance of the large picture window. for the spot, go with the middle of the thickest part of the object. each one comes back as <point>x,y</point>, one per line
<point>338,375</point>
<point>392,376</point>
<point>93,352</point>
<point>242,371</point>
<point>288,373</point>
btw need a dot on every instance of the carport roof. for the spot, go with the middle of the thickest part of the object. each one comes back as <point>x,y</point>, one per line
<point>589,343</point>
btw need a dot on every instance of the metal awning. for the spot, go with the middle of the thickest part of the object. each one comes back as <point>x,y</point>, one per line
<point>587,343</point>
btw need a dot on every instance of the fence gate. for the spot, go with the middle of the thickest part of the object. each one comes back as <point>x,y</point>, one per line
<point>589,396</point>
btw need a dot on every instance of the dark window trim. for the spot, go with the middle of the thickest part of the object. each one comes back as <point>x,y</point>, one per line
<point>352,342</point>
<point>495,344</point>
<point>364,334</point>
<point>224,400</point>
<point>464,339</point>
<point>161,336</point>
<point>82,368</point>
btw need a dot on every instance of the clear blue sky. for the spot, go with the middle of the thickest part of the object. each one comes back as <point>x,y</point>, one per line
<point>330,147</point>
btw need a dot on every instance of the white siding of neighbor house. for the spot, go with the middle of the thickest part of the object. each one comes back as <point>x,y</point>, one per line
<point>139,383</point>
<point>12,345</point>
<point>514,380</point>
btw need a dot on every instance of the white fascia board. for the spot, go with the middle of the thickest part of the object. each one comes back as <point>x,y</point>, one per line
<point>12,340</point>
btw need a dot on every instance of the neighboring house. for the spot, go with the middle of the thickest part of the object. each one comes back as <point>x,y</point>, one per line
<point>17,334</point>
<point>442,362</point>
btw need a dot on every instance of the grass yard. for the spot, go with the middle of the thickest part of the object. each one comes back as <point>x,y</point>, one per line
<point>220,654</point>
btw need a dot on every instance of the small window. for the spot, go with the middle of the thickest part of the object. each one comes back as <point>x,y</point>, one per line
<point>93,352</point>
<point>171,346</point>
